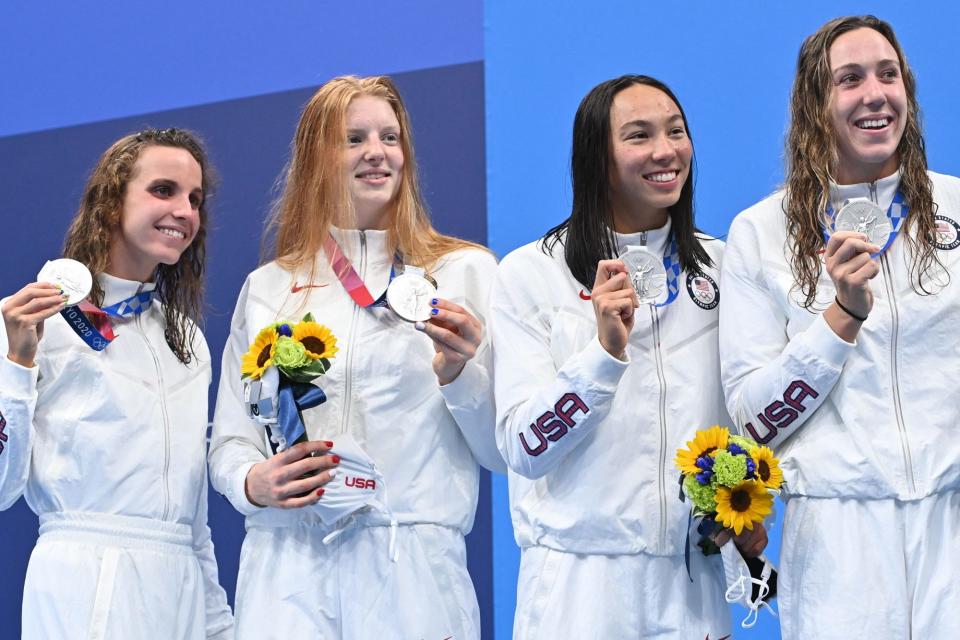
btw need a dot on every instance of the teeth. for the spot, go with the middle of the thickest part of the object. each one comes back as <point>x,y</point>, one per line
<point>173,233</point>
<point>373,176</point>
<point>666,176</point>
<point>873,124</point>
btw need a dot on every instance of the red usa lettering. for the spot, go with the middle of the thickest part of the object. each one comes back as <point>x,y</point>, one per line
<point>780,414</point>
<point>550,426</point>
<point>360,483</point>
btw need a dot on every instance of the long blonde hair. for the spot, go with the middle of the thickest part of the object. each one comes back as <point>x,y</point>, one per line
<point>180,285</point>
<point>315,194</point>
<point>812,158</point>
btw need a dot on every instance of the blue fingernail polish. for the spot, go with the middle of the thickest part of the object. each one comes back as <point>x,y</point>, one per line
<point>434,302</point>
<point>434,311</point>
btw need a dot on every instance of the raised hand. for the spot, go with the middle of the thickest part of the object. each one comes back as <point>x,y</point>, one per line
<point>23,316</point>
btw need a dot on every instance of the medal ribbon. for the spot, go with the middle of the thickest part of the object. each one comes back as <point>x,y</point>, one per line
<point>896,214</point>
<point>671,263</point>
<point>351,280</point>
<point>93,325</point>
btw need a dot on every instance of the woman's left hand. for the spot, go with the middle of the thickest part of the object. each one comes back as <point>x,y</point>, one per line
<point>456,336</point>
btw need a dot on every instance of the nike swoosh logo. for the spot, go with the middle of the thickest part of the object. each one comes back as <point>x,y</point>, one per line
<point>584,295</point>
<point>297,288</point>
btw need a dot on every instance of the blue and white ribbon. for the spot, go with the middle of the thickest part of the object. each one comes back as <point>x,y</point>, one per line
<point>671,264</point>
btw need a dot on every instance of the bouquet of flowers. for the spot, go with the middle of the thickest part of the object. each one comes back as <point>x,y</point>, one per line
<point>731,481</point>
<point>279,369</point>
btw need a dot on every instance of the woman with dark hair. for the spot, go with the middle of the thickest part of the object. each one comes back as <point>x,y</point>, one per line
<point>602,372</point>
<point>415,398</point>
<point>840,304</point>
<point>105,417</point>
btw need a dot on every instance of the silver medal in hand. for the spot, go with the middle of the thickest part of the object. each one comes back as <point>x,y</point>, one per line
<point>72,277</point>
<point>646,273</point>
<point>410,293</point>
<point>862,216</point>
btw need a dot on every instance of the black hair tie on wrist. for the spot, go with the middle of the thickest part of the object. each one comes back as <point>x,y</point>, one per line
<point>848,312</point>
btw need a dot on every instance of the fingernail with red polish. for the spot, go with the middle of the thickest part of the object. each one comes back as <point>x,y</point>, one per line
<point>336,459</point>
<point>329,444</point>
<point>319,493</point>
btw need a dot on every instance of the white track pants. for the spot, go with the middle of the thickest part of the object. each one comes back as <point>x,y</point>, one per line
<point>871,569</point>
<point>94,576</point>
<point>291,585</point>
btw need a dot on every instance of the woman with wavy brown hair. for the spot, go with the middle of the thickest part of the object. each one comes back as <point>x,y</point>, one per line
<point>841,301</point>
<point>104,419</point>
<point>408,393</point>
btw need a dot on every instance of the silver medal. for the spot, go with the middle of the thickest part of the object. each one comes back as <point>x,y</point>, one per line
<point>646,272</point>
<point>72,277</point>
<point>862,216</point>
<point>410,293</point>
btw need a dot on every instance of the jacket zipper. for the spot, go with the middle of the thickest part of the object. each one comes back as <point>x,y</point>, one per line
<point>894,342</point>
<point>163,412</point>
<point>662,467</point>
<point>348,376</point>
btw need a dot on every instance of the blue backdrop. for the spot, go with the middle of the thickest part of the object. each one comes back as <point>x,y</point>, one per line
<point>492,87</point>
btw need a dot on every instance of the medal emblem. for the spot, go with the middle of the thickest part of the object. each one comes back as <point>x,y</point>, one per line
<point>410,293</point>
<point>863,216</point>
<point>946,233</point>
<point>72,277</point>
<point>703,291</point>
<point>646,272</point>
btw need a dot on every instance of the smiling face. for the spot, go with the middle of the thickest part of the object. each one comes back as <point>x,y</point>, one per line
<point>868,105</point>
<point>160,215</point>
<point>650,157</point>
<point>372,159</point>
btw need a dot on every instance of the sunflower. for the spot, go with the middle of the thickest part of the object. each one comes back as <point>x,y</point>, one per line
<point>316,339</point>
<point>740,507</point>
<point>768,467</point>
<point>704,443</point>
<point>260,356</point>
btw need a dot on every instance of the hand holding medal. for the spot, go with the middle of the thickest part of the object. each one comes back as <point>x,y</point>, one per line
<point>456,336</point>
<point>60,283</point>
<point>850,264</point>
<point>614,300</point>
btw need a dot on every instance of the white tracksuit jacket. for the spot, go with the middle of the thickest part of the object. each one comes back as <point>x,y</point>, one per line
<point>875,419</point>
<point>109,450</point>
<point>425,439</point>
<point>589,439</point>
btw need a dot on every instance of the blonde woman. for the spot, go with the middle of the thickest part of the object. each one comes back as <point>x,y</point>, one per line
<point>415,397</point>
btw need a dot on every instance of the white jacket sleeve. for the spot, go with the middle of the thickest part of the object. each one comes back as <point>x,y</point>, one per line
<point>470,396</point>
<point>219,617</point>
<point>237,442</point>
<point>542,412</point>
<point>772,384</point>
<point>18,400</point>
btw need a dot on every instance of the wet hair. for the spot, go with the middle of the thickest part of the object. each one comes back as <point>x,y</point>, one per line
<point>587,235</point>
<point>316,196</point>
<point>179,286</point>
<point>812,158</point>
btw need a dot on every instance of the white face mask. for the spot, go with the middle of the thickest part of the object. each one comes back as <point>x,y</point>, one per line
<point>260,397</point>
<point>358,484</point>
<point>740,583</point>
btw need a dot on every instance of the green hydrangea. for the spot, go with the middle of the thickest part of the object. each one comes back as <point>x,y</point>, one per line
<point>744,443</point>
<point>703,497</point>
<point>290,354</point>
<point>728,469</point>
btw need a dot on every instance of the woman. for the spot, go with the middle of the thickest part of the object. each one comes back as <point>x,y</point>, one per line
<point>415,398</point>
<point>829,337</point>
<point>596,391</point>
<point>109,446</point>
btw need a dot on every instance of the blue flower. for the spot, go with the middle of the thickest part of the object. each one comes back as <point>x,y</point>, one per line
<point>735,449</point>
<point>704,477</point>
<point>285,330</point>
<point>751,468</point>
<point>705,463</point>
